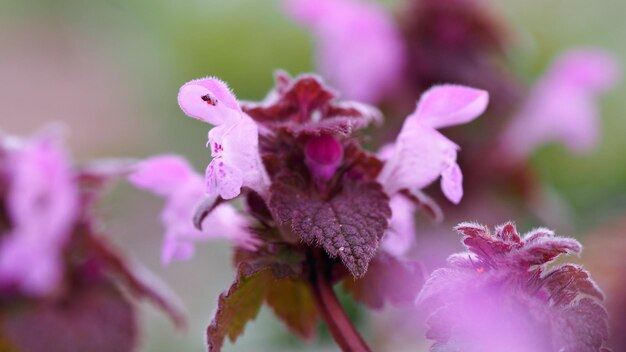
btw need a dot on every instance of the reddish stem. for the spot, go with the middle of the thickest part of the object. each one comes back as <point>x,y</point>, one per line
<point>340,326</point>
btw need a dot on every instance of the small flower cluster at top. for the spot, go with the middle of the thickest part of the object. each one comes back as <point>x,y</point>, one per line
<point>57,273</point>
<point>316,201</point>
<point>298,146</point>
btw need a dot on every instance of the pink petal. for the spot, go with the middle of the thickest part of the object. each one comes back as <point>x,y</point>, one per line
<point>238,163</point>
<point>452,183</point>
<point>183,195</point>
<point>225,221</point>
<point>161,174</point>
<point>563,105</point>
<point>590,69</point>
<point>209,100</point>
<point>359,46</point>
<point>449,105</point>
<point>420,155</point>
<point>385,152</point>
<point>175,249</point>
<point>400,236</point>
<point>223,179</point>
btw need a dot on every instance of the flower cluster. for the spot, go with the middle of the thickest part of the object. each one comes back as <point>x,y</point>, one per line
<point>296,152</point>
<point>318,204</point>
<point>502,295</point>
<point>57,275</point>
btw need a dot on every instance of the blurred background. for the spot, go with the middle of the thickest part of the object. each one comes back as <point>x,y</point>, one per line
<point>110,71</point>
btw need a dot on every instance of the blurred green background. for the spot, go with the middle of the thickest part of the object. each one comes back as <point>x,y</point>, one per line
<point>110,71</point>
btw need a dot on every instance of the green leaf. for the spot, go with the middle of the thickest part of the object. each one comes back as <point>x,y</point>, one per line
<point>236,307</point>
<point>292,302</point>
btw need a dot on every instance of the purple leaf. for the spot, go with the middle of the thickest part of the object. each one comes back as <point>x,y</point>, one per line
<point>388,279</point>
<point>349,224</point>
<point>97,319</point>
<point>139,281</point>
<point>240,304</point>
<point>306,106</point>
<point>502,296</point>
<point>292,302</point>
<point>285,262</point>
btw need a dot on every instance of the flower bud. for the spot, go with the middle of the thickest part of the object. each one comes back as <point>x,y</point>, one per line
<point>323,155</point>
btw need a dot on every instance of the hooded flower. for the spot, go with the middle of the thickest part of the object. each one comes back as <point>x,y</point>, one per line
<point>359,47</point>
<point>40,204</point>
<point>563,105</point>
<point>502,296</point>
<point>421,154</point>
<point>172,177</point>
<point>234,142</point>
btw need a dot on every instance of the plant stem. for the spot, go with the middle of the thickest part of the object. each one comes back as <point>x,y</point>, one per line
<point>340,326</point>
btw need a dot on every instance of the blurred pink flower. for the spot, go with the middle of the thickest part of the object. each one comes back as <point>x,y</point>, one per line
<point>421,154</point>
<point>360,49</point>
<point>502,296</point>
<point>234,142</point>
<point>563,105</point>
<point>40,197</point>
<point>172,177</point>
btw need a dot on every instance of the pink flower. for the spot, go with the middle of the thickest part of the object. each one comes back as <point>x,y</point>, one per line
<point>360,49</point>
<point>421,154</point>
<point>41,204</point>
<point>171,177</point>
<point>563,105</point>
<point>234,141</point>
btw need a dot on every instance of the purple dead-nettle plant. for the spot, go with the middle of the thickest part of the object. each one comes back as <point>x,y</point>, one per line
<point>317,205</point>
<point>505,294</point>
<point>62,284</point>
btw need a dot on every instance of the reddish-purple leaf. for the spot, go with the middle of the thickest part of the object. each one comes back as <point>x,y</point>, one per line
<point>95,319</point>
<point>348,225</point>
<point>546,250</point>
<point>305,106</point>
<point>236,307</point>
<point>283,261</point>
<point>388,279</point>
<point>292,302</point>
<point>568,282</point>
<point>581,326</point>
<point>140,282</point>
<point>516,302</point>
